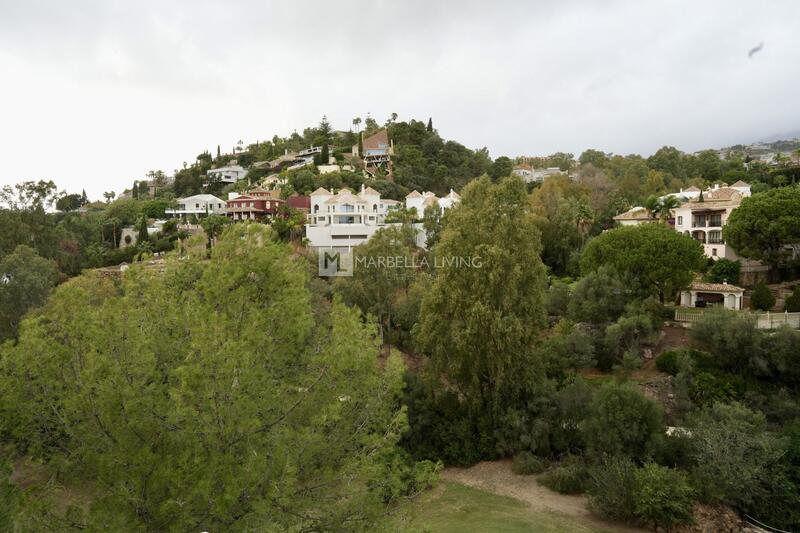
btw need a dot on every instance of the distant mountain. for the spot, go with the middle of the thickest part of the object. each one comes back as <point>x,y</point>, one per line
<point>782,137</point>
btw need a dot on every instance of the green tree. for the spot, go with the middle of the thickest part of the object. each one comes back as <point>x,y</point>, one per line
<point>622,421</point>
<point>661,260</point>
<point>593,157</point>
<point>324,156</point>
<point>792,304</point>
<point>69,202</point>
<point>430,124</point>
<point>142,235</point>
<point>762,298</point>
<point>599,297</point>
<point>501,168</point>
<point>377,283</point>
<point>724,271</point>
<point>235,409</point>
<point>213,225</point>
<point>480,318</point>
<point>663,496</point>
<point>25,281</point>
<point>764,224</point>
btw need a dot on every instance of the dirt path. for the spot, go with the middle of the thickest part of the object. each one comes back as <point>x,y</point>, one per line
<point>496,477</point>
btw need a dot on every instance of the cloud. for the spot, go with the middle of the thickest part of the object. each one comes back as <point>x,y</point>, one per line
<point>96,93</point>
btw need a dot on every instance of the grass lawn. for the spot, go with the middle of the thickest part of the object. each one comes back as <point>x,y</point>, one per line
<point>456,508</point>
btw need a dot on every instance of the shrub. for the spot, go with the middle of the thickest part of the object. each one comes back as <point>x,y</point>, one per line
<point>622,421</point>
<point>557,299</point>
<point>793,301</point>
<point>611,488</point>
<point>663,496</point>
<point>599,297</point>
<point>569,478</point>
<point>525,463</point>
<point>762,298</point>
<point>667,362</point>
<point>731,337</point>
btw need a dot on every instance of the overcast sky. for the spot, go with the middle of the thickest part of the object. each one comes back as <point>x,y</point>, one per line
<point>95,94</point>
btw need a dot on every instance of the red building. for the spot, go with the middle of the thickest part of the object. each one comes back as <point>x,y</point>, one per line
<point>254,205</point>
<point>300,203</point>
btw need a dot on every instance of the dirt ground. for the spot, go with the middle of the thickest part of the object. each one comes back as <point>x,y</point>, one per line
<point>496,477</point>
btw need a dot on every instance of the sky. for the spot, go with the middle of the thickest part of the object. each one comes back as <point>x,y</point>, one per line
<point>94,94</point>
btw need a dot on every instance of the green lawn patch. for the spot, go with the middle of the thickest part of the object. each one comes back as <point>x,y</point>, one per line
<point>455,508</point>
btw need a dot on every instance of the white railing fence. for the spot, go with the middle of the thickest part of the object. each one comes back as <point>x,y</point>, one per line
<point>765,320</point>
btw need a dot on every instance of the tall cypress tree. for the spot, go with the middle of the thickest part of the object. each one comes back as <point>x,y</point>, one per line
<point>430,124</point>
<point>360,145</point>
<point>143,235</point>
<point>84,198</point>
<point>324,157</point>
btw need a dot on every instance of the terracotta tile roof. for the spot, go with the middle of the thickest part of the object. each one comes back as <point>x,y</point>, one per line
<point>413,194</point>
<point>370,190</point>
<point>723,194</point>
<point>692,189</point>
<point>715,287</point>
<point>740,183</point>
<point>374,141</point>
<point>321,191</point>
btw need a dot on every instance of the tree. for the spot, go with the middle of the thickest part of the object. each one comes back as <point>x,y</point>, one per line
<point>732,452</point>
<point>84,198</point>
<point>25,281</point>
<point>501,168</point>
<point>430,124</point>
<point>593,157</point>
<point>659,259</point>
<point>376,284</point>
<point>762,298</point>
<point>764,224</point>
<point>724,270</point>
<point>662,496</point>
<point>599,297</point>
<point>69,202</point>
<point>236,409</point>
<point>622,421</point>
<point>29,195</point>
<point>357,124</point>
<point>143,236</point>
<point>324,156</point>
<point>480,318</point>
<point>109,195</point>
<point>213,225</point>
<point>793,301</point>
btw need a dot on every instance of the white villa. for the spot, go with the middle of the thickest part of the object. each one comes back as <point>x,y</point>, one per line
<point>229,174</point>
<point>345,219</point>
<point>701,215</point>
<point>198,205</point>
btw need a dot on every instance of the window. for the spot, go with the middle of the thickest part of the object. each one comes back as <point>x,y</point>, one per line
<point>715,220</point>
<point>714,252</point>
<point>680,220</point>
<point>699,221</point>
<point>715,237</point>
<point>197,206</point>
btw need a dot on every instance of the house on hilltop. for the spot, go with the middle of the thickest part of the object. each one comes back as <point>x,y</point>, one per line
<point>256,204</point>
<point>377,154</point>
<point>199,205</point>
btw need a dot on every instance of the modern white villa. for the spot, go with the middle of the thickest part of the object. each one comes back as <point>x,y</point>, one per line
<point>229,174</point>
<point>345,219</point>
<point>198,205</point>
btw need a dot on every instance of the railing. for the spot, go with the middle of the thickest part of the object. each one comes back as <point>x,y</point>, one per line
<point>765,320</point>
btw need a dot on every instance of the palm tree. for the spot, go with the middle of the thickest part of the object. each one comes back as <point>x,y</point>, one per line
<point>653,206</point>
<point>357,124</point>
<point>667,205</point>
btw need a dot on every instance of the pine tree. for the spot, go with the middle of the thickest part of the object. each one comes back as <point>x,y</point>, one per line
<point>325,155</point>
<point>430,124</point>
<point>84,198</point>
<point>762,298</point>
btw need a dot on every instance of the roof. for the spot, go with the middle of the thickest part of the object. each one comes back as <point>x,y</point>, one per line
<point>723,194</point>
<point>370,190</point>
<point>715,287</point>
<point>691,189</point>
<point>242,197</point>
<point>634,213</point>
<point>236,168</point>
<point>413,194</point>
<point>201,197</point>
<point>345,198</point>
<point>740,183</point>
<point>321,191</point>
<point>374,141</point>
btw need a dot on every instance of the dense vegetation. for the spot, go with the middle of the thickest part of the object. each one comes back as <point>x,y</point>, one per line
<point>234,391</point>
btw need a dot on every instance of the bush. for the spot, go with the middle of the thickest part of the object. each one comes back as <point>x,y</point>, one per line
<point>599,297</point>
<point>622,421</point>
<point>793,301</point>
<point>667,362</point>
<point>525,463</point>
<point>662,496</point>
<point>762,298</point>
<point>611,488</point>
<point>557,299</point>
<point>569,478</point>
<point>731,337</point>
